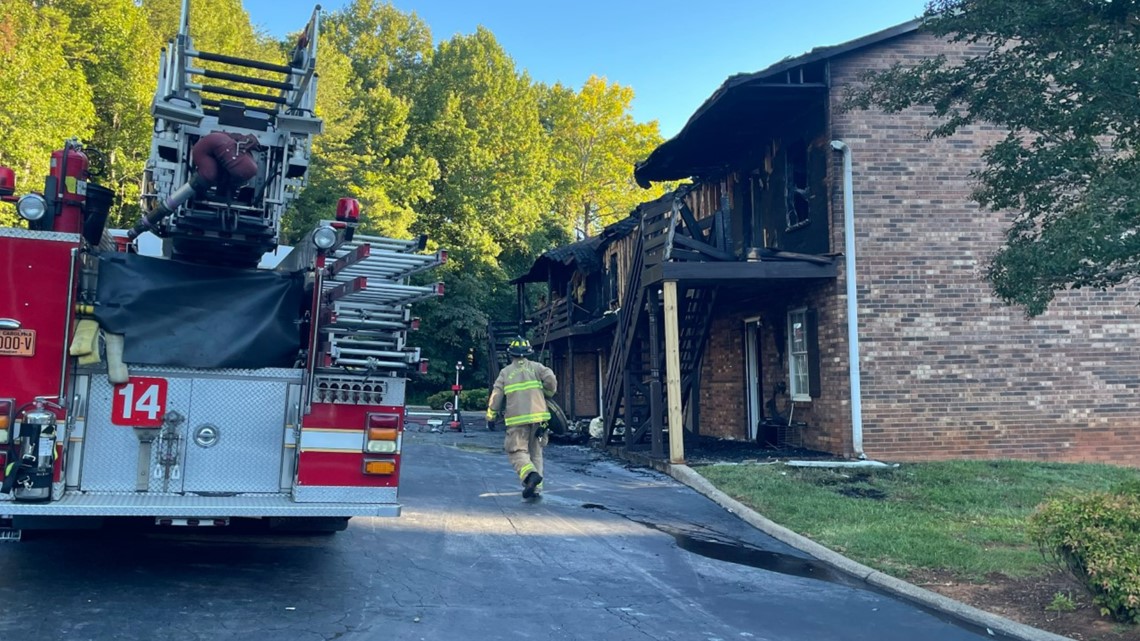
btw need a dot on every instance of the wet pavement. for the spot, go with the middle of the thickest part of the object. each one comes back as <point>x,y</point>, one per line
<point>610,552</point>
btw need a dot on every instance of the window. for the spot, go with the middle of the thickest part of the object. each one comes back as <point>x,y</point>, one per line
<point>799,370</point>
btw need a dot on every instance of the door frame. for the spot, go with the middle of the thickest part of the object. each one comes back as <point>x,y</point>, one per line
<point>753,376</point>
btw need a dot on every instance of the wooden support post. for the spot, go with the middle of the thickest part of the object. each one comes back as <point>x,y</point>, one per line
<point>673,375</point>
<point>655,425</point>
<point>695,397</point>
<point>628,402</point>
<point>570,404</point>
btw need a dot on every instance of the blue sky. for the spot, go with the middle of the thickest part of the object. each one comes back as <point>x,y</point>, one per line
<point>673,53</point>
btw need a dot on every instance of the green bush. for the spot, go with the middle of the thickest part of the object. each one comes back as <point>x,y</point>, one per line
<point>470,400</point>
<point>1097,536</point>
<point>436,401</point>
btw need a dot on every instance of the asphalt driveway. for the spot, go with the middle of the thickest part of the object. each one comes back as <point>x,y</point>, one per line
<point>610,552</point>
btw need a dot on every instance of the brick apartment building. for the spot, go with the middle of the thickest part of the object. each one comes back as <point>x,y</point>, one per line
<point>750,263</point>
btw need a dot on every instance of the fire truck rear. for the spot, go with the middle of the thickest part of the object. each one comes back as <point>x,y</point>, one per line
<point>192,370</point>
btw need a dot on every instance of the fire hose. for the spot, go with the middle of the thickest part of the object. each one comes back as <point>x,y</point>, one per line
<point>219,157</point>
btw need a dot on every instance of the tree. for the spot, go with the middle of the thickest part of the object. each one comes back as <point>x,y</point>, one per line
<point>46,98</point>
<point>595,143</point>
<point>118,58</point>
<point>478,117</point>
<point>217,26</point>
<point>367,49</point>
<point>1060,76</point>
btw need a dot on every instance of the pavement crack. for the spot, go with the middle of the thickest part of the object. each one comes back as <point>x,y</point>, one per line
<point>630,620</point>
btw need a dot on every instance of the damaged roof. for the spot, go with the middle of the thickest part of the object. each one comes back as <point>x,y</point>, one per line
<point>745,101</point>
<point>584,256</point>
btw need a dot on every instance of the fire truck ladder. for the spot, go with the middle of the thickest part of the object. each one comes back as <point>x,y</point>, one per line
<point>366,303</point>
<point>201,93</point>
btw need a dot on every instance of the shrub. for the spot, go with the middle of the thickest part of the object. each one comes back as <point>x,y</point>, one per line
<point>470,400</point>
<point>436,401</point>
<point>474,400</point>
<point>1097,536</point>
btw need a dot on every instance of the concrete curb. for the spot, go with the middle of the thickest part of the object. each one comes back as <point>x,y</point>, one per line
<point>689,477</point>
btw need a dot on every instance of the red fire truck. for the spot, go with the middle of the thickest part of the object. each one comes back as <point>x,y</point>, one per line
<point>192,370</point>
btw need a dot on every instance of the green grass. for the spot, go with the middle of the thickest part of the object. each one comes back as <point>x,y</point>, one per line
<point>967,517</point>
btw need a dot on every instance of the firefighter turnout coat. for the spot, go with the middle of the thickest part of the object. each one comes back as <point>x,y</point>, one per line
<point>520,393</point>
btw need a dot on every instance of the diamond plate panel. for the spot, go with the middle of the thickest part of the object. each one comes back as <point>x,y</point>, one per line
<point>343,494</point>
<point>132,504</point>
<point>110,452</point>
<point>249,418</point>
<point>267,373</point>
<point>19,232</point>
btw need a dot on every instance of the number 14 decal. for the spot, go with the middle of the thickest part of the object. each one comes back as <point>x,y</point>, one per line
<point>140,402</point>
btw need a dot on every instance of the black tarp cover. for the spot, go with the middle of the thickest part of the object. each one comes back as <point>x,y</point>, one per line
<point>183,315</point>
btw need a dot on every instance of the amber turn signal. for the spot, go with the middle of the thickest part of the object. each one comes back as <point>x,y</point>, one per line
<point>382,434</point>
<point>379,467</point>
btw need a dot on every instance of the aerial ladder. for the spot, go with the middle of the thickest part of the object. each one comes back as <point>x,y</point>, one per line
<point>231,148</point>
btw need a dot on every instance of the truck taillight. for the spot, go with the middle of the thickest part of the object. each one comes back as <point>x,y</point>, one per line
<point>383,434</point>
<point>6,407</point>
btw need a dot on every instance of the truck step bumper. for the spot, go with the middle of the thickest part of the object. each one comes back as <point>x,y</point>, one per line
<point>132,504</point>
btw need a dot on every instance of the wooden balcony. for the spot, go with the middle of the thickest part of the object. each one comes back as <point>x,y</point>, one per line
<point>562,318</point>
<point>680,247</point>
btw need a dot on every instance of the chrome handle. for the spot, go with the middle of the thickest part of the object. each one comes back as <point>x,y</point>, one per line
<point>9,323</point>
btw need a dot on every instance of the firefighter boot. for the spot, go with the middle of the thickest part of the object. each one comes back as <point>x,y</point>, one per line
<point>531,481</point>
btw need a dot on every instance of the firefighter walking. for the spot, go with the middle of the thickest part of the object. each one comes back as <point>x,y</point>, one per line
<point>520,394</point>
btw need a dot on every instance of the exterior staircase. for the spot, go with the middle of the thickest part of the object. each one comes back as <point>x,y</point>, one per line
<point>635,389</point>
<point>617,392</point>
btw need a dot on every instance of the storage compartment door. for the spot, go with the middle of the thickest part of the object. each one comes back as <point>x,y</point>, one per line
<point>235,437</point>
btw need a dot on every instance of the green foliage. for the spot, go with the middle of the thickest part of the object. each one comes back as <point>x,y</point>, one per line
<point>369,52</point>
<point>1097,536</point>
<point>595,143</point>
<point>1062,603</point>
<point>1057,75</point>
<point>458,321</point>
<point>478,117</point>
<point>470,400</point>
<point>46,97</point>
<point>118,54</point>
<point>218,26</point>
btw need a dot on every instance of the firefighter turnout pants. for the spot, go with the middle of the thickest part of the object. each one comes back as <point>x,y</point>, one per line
<point>524,449</point>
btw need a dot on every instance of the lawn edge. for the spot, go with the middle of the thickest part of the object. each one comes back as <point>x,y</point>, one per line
<point>898,587</point>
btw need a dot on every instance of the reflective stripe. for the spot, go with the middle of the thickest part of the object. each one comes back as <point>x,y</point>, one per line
<point>528,418</point>
<point>526,469</point>
<point>518,387</point>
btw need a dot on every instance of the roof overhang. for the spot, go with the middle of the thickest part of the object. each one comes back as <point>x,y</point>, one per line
<point>746,108</point>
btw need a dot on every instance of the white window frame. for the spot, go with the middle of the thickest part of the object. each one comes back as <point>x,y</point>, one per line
<point>796,373</point>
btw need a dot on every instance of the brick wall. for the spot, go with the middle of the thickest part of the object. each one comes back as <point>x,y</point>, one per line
<point>724,409</point>
<point>724,385</point>
<point>947,369</point>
